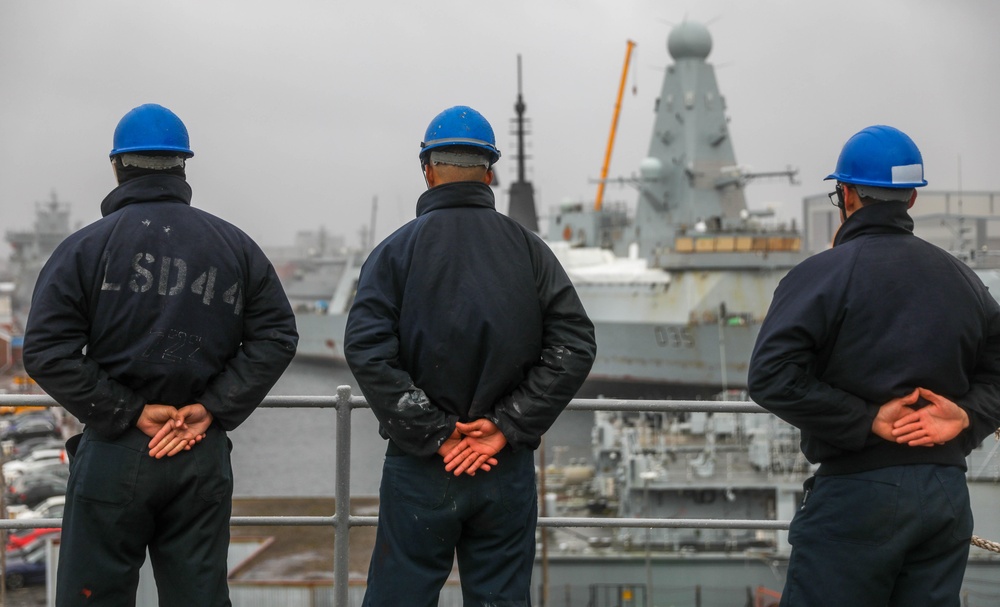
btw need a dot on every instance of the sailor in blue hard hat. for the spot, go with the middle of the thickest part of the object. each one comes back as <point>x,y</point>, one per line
<point>467,339</point>
<point>458,137</point>
<point>879,163</point>
<point>884,351</point>
<point>150,137</point>
<point>160,327</point>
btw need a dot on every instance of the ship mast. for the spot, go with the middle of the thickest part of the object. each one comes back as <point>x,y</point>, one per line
<point>519,107</point>
<point>522,192</point>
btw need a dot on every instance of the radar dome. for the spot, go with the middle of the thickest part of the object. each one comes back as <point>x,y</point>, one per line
<point>689,40</point>
<point>651,168</point>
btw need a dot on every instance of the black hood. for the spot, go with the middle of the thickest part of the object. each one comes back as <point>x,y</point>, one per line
<point>456,194</point>
<point>149,188</point>
<point>876,218</point>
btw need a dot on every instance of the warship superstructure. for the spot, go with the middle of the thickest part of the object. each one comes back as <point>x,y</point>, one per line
<point>677,292</point>
<point>30,249</point>
<point>676,289</point>
<point>698,465</point>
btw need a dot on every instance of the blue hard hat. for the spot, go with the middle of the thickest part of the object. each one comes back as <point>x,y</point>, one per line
<point>460,125</point>
<point>151,128</point>
<point>880,156</point>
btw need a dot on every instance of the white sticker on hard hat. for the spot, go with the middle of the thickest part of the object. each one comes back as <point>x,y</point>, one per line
<point>908,173</point>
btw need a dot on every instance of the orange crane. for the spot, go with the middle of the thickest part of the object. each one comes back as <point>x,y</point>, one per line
<point>614,127</point>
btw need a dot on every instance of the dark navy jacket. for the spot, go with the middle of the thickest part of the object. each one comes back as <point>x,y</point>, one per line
<point>463,314</point>
<point>878,315</point>
<point>173,306</point>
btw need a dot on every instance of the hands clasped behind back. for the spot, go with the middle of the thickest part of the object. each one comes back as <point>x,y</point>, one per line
<point>936,423</point>
<point>172,430</point>
<point>472,447</point>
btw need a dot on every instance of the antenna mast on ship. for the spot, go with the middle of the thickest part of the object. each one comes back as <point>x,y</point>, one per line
<point>522,192</point>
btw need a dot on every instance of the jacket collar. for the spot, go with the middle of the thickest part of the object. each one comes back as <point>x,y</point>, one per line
<point>876,218</point>
<point>457,194</point>
<point>148,188</point>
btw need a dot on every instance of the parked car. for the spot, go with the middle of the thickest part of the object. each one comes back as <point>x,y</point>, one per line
<point>24,538</point>
<point>30,489</point>
<point>21,448</point>
<point>50,466</point>
<point>48,508</point>
<point>13,420</point>
<point>31,460</point>
<point>26,567</point>
<point>30,425</point>
<point>38,451</point>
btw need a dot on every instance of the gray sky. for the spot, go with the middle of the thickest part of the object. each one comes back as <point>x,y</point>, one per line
<point>301,111</point>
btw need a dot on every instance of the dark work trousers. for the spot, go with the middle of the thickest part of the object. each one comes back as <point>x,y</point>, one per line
<point>120,501</point>
<point>427,516</point>
<point>895,536</point>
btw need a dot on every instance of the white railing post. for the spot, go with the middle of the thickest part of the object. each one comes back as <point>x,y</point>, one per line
<point>342,496</point>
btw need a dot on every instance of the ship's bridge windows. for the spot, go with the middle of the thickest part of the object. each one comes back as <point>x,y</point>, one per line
<point>736,244</point>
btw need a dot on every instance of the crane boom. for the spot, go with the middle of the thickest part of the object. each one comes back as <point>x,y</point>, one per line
<point>614,127</point>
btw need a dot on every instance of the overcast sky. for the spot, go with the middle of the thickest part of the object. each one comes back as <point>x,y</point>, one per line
<point>302,111</point>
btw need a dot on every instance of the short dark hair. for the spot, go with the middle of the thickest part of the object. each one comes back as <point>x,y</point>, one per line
<point>870,194</point>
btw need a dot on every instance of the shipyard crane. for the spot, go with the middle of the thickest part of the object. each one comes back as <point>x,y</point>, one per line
<point>614,127</point>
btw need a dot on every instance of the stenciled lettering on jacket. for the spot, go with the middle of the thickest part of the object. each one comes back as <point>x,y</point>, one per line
<point>172,345</point>
<point>105,285</point>
<point>139,271</point>
<point>170,277</point>
<point>165,276</point>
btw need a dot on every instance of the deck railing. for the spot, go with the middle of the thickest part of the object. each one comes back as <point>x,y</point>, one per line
<point>345,402</point>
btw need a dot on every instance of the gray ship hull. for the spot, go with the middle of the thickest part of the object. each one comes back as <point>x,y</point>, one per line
<point>682,359</point>
<point>321,336</point>
<point>706,580</point>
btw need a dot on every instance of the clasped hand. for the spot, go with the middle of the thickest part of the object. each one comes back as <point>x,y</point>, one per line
<point>173,430</point>
<point>934,424</point>
<point>472,447</point>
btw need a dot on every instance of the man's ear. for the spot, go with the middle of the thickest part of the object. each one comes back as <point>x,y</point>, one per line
<point>429,177</point>
<point>488,179</point>
<point>913,198</point>
<point>852,201</point>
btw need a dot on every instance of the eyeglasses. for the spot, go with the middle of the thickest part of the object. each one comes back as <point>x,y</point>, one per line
<point>837,196</point>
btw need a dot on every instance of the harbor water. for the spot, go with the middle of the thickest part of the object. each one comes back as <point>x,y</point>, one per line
<point>291,452</point>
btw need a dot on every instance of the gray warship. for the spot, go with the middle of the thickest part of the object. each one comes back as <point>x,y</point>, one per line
<point>676,287</point>
<point>677,291</point>
<point>702,465</point>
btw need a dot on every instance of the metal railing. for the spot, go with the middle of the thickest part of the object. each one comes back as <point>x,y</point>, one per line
<point>345,402</point>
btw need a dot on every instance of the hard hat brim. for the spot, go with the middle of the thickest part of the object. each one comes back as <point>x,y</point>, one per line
<point>876,183</point>
<point>138,149</point>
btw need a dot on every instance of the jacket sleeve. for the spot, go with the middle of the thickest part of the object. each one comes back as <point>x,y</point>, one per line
<point>371,346</point>
<point>782,376</point>
<point>568,351</point>
<point>55,337</point>
<point>982,401</point>
<point>268,345</point>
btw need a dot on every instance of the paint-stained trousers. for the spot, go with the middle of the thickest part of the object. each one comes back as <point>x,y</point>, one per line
<point>120,501</point>
<point>895,537</point>
<point>428,516</point>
